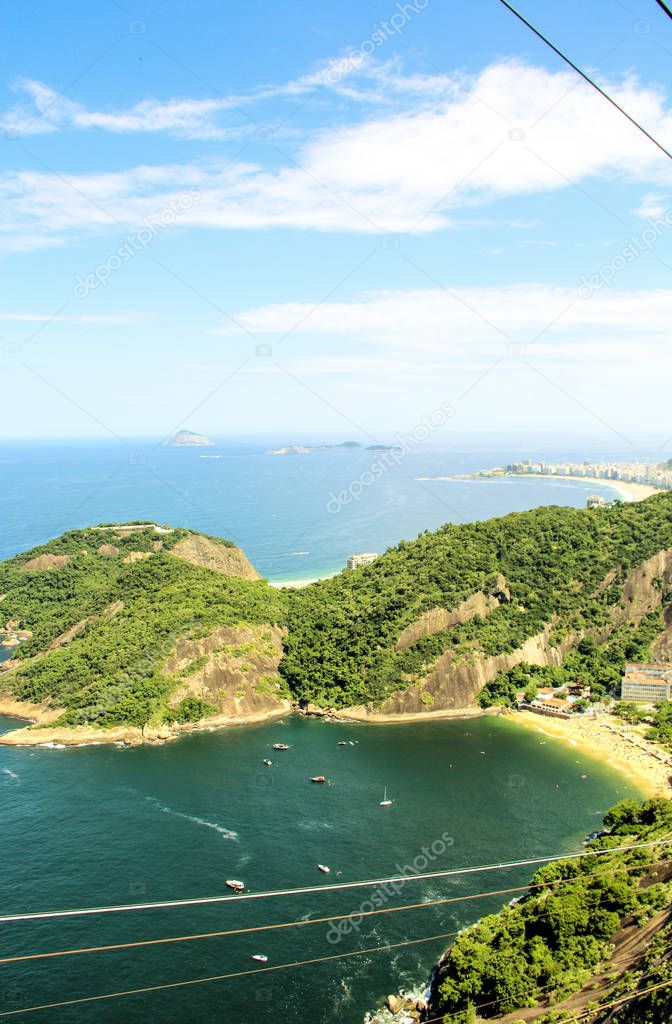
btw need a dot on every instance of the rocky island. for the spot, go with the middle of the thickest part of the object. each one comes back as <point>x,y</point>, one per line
<point>187,439</point>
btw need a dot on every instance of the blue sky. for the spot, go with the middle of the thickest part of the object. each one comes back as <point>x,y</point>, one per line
<point>334,219</point>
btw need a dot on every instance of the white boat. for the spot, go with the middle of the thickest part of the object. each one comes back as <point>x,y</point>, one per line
<point>234,884</point>
<point>385,802</point>
<point>281,746</point>
<point>324,869</point>
<point>269,764</point>
<point>260,957</point>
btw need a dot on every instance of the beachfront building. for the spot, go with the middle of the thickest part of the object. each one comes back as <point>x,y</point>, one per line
<point>365,558</point>
<point>651,684</point>
<point>554,706</point>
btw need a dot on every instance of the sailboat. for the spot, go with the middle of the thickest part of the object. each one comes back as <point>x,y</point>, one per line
<point>385,802</point>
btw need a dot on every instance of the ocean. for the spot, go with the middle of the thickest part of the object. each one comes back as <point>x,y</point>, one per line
<point>90,827</point>
<point>103,826</point>
<point>285,511</point>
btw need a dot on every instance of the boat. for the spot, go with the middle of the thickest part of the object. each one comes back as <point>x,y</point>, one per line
<point>318,778</point>
<point>234,884</point>
<point>385,802</point>
<point>260,957</point>
<point>342,743</point>
<point>324,869</point>
<point>269,764</point>
<point>281,746</point>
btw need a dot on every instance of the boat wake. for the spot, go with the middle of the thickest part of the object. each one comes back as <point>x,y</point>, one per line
<point>226,833</point>
<point>315,826</point>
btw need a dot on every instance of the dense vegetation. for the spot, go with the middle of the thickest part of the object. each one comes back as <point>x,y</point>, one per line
<point>342,632</point>
<point>548,944</point>
<point>555,569</point>
<point>598,666</point>
<point>111,672</point>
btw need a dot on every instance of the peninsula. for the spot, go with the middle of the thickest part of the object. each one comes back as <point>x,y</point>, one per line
<point>138,632</point>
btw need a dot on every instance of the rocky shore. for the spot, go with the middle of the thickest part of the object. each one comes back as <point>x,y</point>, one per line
<point>41,733</point>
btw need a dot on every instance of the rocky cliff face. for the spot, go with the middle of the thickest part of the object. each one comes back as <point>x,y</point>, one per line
<point>456,679</point>
<point>209,554</point>
<point>437,619</point>
<point>235,668</point>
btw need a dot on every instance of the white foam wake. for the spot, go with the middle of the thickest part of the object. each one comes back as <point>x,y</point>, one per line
<point>225,833</point>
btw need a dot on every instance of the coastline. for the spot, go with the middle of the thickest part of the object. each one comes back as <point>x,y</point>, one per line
<point>295,584</point>
<point>607,740</point>
<point>131,736</point>
<point>626,489</point>
<point>361,714</point>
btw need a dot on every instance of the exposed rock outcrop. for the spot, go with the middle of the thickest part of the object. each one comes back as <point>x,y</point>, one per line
<point>235,668</point>
<point>136,556</point>
<point>437,619</point>
<point>209,554</point>
<point>456,678</point>
<point>42,562</point>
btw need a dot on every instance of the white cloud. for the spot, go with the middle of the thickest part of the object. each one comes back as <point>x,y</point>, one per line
<point>448,321</point>
<point>653,206</point>
<point>393,171</point>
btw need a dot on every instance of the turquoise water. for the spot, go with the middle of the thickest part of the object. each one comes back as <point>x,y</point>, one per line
<point>96,826</point>
<point>277,508</point>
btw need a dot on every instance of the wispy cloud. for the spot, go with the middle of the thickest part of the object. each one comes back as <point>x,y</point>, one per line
<point>511,130</point>
<point>451,320</point>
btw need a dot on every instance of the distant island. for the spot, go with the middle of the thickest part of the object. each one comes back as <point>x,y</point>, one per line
<point>299,449</point>
<point>186,439</point>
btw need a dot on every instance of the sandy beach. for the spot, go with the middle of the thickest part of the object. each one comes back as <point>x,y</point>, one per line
<point>607,739</point>
<point>626,490</point>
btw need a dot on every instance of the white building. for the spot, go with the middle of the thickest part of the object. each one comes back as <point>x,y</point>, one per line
<point>365,558</point>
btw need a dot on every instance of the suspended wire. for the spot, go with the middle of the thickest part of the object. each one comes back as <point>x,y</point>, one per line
<point>587,77</point>
<point>664,7</point>
<point>224,977</point>
<point>289,924</point>
<point>302,963</point>
<point>334,887</point>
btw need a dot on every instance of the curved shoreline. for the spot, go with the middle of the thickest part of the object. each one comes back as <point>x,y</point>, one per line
<point>604,738</point>
<point>614,745</point>
<point>627,489</point>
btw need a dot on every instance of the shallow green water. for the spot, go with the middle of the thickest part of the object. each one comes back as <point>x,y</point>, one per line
<point>96,826</point>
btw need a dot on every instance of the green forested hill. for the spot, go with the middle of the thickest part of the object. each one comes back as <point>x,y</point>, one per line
<point>129,600</point>
<point>550,944</point>
<point>107,605</point>
<point>343,631</point>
